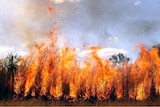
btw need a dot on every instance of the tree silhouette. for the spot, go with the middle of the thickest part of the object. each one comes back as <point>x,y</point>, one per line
<point>10,64</point>
<point>119,59</point>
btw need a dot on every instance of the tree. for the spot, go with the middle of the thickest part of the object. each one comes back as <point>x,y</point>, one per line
<point>11,64</point>
<point>119,59</point>
<point>120,62</point>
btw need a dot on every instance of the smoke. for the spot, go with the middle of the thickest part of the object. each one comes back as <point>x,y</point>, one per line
<point>22,23</point>
<point>102,53</point>
<point>62,1</point>
<point>130,23</point>
<point>109,23</point>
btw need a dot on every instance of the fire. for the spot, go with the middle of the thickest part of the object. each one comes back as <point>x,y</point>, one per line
<point>57,72</point>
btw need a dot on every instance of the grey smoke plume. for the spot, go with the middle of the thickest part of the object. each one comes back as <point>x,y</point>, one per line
<point>20,25</point>
<point>109,23</point>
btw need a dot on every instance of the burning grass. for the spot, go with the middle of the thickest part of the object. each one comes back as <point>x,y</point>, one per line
<point>50,75</point>
<point>56,73</point>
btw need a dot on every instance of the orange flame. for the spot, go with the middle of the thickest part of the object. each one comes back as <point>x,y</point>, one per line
<point>56,72</point>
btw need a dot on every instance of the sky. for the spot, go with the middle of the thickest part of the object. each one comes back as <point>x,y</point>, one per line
<point>117,24</point>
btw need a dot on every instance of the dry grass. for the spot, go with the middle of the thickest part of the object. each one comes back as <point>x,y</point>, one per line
<point>35,102</point>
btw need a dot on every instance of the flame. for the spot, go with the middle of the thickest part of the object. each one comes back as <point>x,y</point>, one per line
<point>57,72</point>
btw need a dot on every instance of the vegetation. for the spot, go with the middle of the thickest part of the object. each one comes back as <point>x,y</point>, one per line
<point>9,66</point>
<point>34,102</point>
<point>119,58</point>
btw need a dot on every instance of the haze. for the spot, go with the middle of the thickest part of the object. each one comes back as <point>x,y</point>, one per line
<point>117,24</point>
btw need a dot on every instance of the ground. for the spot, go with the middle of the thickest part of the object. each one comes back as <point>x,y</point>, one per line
<point>36,102</point>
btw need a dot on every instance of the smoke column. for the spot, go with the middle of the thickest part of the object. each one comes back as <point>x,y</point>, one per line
<point>109,23</point>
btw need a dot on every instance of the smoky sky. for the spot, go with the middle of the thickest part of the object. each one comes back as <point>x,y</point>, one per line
<point>109,23</point>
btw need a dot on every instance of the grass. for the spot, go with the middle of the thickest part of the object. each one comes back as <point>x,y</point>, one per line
<point>38,102</point>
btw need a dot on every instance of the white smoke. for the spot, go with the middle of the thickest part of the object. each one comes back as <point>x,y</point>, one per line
<point>102,53</point>
<point>137,3</point>
<point>62,1</point>
<point>4,50</point>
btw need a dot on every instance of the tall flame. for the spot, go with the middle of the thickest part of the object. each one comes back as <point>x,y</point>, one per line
<point>56,72</point>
